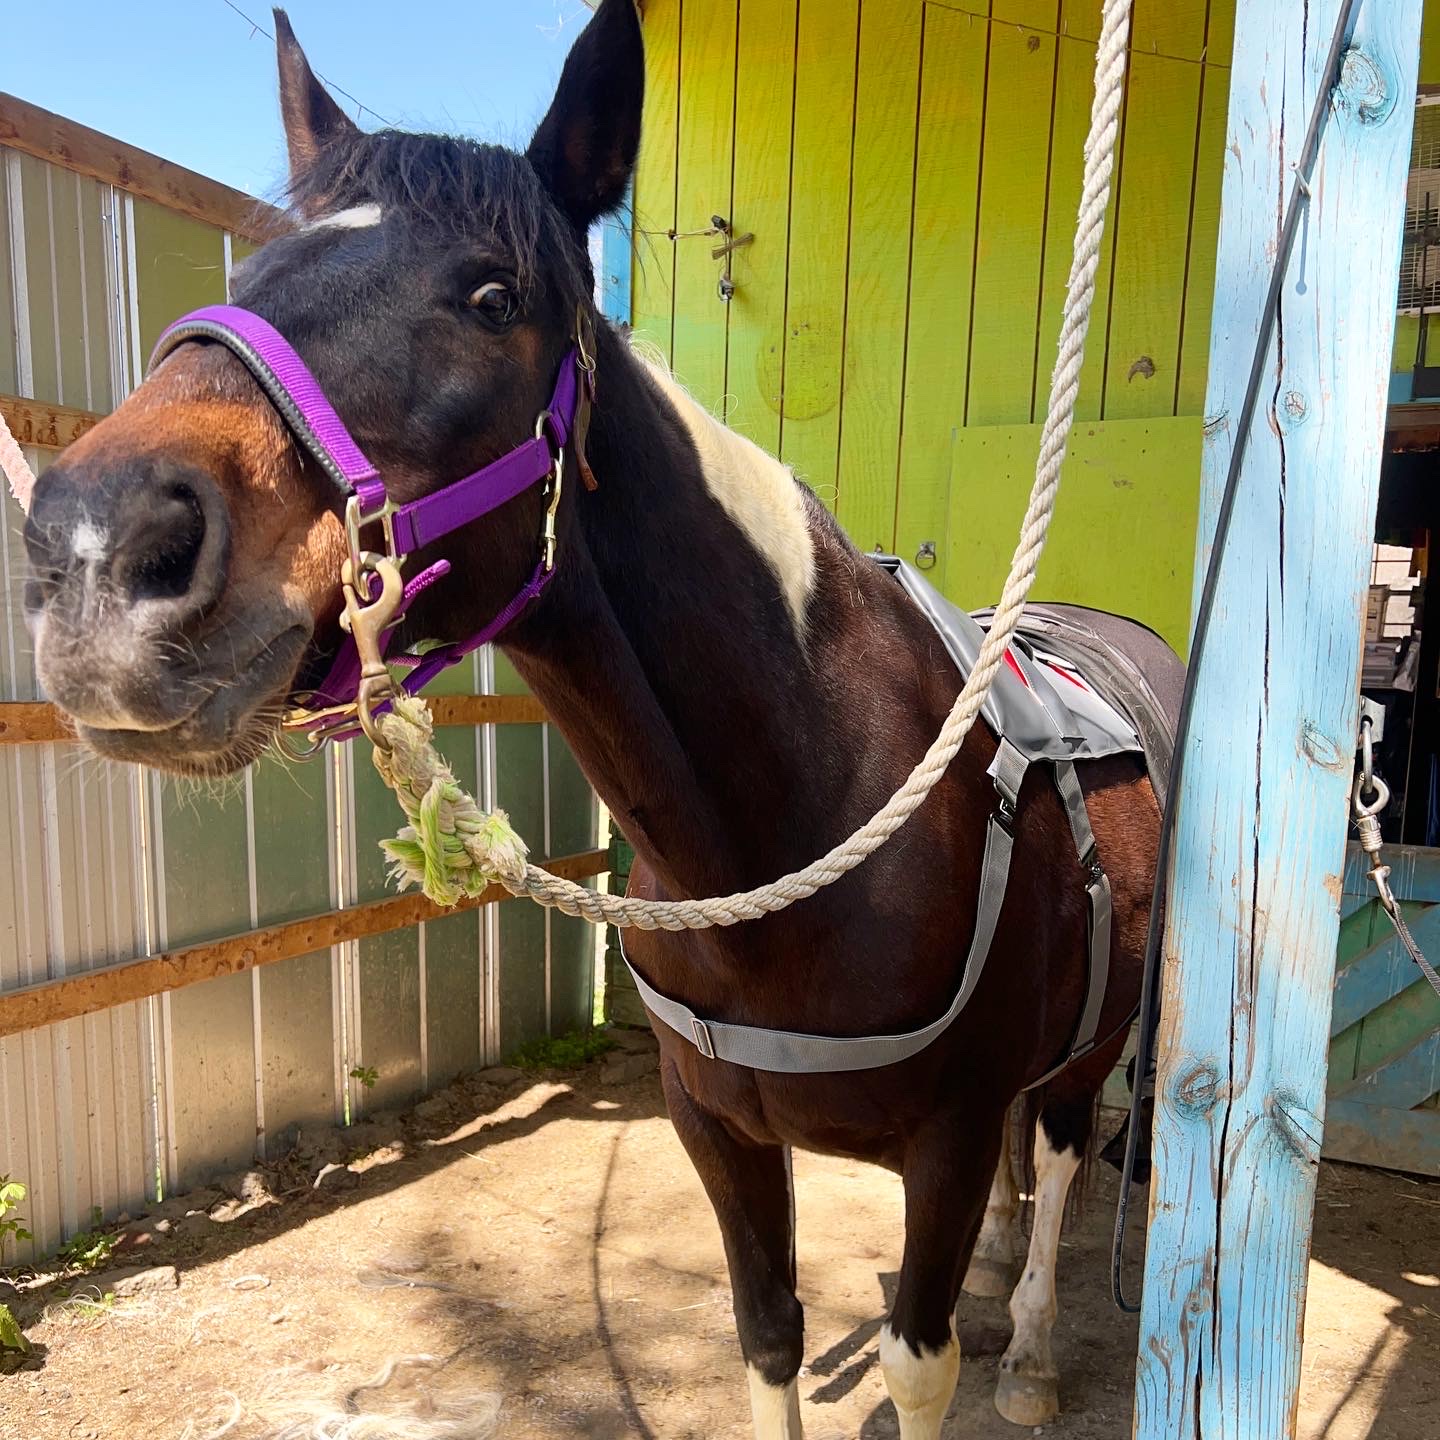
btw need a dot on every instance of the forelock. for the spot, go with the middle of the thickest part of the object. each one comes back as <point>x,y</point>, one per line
<point>458,186</point>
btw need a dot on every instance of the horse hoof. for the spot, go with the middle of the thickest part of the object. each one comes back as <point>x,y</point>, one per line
<point>990,1279</point>
<point>1027,1399</point>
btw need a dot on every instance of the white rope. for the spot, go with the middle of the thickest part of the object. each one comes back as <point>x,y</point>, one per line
<point>425,784</point>
<point>16,467</point>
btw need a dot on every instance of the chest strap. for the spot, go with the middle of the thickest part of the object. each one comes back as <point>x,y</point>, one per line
<point>788,1052</point>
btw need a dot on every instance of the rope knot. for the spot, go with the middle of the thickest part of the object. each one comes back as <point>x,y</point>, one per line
<point>451,848</point>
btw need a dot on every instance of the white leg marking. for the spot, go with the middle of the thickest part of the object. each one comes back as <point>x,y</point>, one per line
<point>774,1408</point>
<point>1032,1307</point>
<point>921,1384</point>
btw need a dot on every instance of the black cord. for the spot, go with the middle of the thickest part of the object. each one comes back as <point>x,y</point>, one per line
<point>1149,990</point>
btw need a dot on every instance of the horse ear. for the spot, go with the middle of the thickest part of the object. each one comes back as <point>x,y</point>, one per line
<point>312,119</point>
<point>585,147</point>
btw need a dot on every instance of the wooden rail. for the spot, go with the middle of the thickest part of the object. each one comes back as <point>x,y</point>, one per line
<point>93,990</point>
<point>36,722</point>
<point>47,136</point>
<point>49,427</point>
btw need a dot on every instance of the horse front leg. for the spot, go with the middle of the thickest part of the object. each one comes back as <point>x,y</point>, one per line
<point>947,1170</point>
<point>750,1189</point>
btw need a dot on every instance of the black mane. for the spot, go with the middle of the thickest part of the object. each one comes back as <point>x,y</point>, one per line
<point>461,186</point>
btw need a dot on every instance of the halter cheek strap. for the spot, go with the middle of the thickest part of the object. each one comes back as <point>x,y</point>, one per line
<point>300,401</point>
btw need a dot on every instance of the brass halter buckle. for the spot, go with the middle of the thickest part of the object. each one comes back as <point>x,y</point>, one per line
<point>305,730</point>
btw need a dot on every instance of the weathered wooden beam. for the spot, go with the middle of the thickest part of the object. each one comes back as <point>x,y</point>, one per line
<point>92,990</point>
<point>36,722</point>
<point>52,137</point>
<point>49,427</point>
<point>32,722</point>
<point>486,710</point>
<point>1260,841</point>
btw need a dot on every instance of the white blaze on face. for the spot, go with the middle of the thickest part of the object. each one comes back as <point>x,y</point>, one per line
<point>357,217</point>
<point>758,493</point>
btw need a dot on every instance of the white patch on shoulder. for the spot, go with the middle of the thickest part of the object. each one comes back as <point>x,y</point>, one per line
<point>760,494</point>
<point>357,217</point>
<point>775,1409</point>
<point>89,543</point>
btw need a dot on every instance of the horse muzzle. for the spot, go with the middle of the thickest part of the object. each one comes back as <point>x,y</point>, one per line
<point>138,636</point>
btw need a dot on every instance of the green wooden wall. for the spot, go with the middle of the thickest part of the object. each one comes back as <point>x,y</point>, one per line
<point>911,171</point>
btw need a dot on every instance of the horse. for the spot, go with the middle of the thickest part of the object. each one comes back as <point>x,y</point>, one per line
<point>741,686</point>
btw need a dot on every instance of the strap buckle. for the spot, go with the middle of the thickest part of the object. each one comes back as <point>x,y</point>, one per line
<point>700,1033</point>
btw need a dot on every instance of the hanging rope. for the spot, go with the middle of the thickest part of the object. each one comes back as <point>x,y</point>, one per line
<point>451,847</point>
<point>17,469</point>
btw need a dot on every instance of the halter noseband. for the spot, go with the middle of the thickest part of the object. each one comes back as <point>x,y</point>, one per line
<point>358,685</point>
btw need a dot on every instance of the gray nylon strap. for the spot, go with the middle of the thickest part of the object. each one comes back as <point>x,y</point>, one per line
<point>1100,910</point>
<point>785,1052</point>
<point>1007,770</point>
<point>1097,887</point>
<point>1073,799</point>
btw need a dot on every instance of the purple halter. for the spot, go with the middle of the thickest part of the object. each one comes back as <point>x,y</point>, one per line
<point>296,394</point>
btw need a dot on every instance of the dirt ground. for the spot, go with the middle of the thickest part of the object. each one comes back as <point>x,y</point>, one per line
<point>543,1238</point>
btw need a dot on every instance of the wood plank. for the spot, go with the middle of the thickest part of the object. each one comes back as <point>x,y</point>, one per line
<point>764,105</point>
<point>942,256</point>
<point>1252,924</point>
<point>1204,228</point>
<point>653,275</point>
<point>1367,980</point>
<point>1410,1079</point>
<point>1152,230</point>
<point>1396,1026</point>
<point>41,723</point>
<point>1004,341</point>
<point>1132,480</point>
<point>31,1006</point>
<point>1074,91</point>
<point>32,722</point>
<point>47,427</point>
<point>877,283</point>
<point>1407,1140</point>
<point>819,220</point>
<point>706,151</point>
<point>33,131</point>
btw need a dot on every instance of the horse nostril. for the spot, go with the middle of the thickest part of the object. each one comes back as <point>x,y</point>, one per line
<point>165,554</point>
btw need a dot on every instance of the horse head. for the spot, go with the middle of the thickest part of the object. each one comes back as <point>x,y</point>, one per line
<point>185,553</point>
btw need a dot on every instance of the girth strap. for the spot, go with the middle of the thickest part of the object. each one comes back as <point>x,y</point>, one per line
<point>1097,888</point>
<point>785,1052</point>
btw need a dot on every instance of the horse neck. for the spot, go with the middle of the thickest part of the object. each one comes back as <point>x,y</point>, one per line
<point>690,649</point>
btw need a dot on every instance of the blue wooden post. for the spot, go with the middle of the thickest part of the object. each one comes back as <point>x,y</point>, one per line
<point>614,276</point>
<point>1260,842</point>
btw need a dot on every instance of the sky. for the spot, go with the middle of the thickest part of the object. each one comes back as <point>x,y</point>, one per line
<point>194,82</point>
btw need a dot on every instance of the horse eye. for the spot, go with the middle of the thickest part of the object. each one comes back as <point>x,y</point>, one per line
<point>495,301</point>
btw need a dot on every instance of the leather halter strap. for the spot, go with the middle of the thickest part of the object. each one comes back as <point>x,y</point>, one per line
<point>298,398</point>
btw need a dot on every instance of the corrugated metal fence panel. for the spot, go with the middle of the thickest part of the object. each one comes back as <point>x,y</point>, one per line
<point>75,1112</point>
<point>104,860</point>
